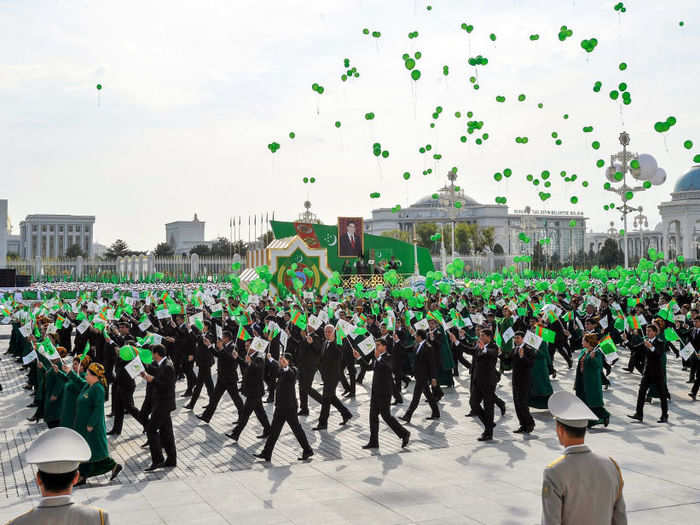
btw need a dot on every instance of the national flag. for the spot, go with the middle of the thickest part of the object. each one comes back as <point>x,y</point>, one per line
<point>435,315</point>
<point>608,348</point>
<point>48,346</point>
<point>552,316</point>
<point>568,316</point>
<point>243,334</point>
<point>666,313</point>
<point>217,310</point>
<point>633,322</point>
<point>85,352</point>
<point>670,335</point>
<point>298,319</point>
<point>497,338</point>
<point>339,335</point>
<point>546,334</point>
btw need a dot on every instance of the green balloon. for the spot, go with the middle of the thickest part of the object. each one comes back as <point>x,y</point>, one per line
<point>127,352</point>
<point>146,356</point>
<point>415,74</point>
<point>99,87</point>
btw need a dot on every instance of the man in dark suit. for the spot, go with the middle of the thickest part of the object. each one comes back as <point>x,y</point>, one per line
<point>204,358</point>
<point>380,399</point>
<point>653,375</point>
<point>329,366</point>
<point>226,378</point>
<point>485,378</point>
<point>160,427</point>
<point>309,352</point>
<point>253,388</point>
<point>522,359</point>
<point>350,242</point>
<point>285,408</point>
<point>425,373</point>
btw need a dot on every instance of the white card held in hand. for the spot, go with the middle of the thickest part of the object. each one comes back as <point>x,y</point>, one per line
<point>687,351</point>
<point>283,340</point>
<point>314,322</point>
<point>367,345</point>
<point>532,340</point>
<point>84,325</point>
<point>134,368</point>
<point>422,325</point>
<point>219,332</point>
<point>508,334</point>
<point>259,344</point>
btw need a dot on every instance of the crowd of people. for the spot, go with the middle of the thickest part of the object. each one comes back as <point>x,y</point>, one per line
<point>87,352</point>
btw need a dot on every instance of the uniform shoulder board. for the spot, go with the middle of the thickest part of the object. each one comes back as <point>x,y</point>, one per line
<point>556,461</point>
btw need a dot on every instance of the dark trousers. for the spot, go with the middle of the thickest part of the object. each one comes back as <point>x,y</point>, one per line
<point>636,360</point>
<point>145,412</point>
<point>696,385</point>
<point>350,369</point>
<point>270,383</point>
<point>562,350</point>
<point>203,379</point>
<point>487,396</point>
<point>306,379</point>
<point>382,409</point>
<point>521,397</point>
<point>123,404</point>
<point>364,366</point>
<point>188,369</point>
<point>458,357</point>
<point>223,386</point>
<point>160,435</point>
<point>660,388</point>
<point>422,387</point>
<point>396,390</point>
<point>327,399</point>
<point>252,404</point>
<point>279,418</point>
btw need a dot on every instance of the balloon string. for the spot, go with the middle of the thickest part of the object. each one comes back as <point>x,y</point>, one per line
<point>318,105</point>
<point>666,145</point>
<point>98,99</point>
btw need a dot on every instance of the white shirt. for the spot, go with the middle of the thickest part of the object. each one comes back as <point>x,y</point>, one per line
<point>163,359</point>
<point>420,345</point>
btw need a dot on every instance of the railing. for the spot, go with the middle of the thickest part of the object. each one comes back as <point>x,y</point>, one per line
<point>130,267</point>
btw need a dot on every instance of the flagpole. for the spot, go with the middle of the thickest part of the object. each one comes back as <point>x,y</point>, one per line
<point>230,248</point>
<point>248,230</point>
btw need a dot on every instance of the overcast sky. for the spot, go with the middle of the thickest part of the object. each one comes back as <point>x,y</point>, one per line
<point>194,91</point>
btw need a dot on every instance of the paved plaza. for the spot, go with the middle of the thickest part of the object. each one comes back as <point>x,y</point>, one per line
<point>444,476</point>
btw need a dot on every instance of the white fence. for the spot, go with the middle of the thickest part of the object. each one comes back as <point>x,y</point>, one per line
<point>130,267</point>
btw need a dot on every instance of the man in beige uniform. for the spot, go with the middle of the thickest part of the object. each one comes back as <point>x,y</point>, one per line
<point>580,487</point>
<point>57,453</point>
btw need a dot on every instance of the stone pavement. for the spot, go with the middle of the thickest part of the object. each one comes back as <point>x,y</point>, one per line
<point>443,476</point>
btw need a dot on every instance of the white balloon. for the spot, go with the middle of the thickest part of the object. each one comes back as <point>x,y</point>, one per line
<point>610,173</point>
<point>647,166</point>
<point>659,177</point>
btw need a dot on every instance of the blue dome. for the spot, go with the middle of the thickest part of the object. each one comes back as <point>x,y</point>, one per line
<point>690,181</point>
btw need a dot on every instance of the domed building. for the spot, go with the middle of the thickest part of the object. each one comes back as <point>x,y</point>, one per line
<point>450,204</point>
<point>680,218</point>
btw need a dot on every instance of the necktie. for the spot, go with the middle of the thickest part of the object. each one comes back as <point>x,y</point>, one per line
<point>352,241</point>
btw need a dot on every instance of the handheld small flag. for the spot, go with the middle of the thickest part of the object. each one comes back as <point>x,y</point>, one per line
<point>85,352</point>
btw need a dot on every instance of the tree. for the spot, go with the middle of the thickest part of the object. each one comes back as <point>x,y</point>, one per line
<point>74,250</point>
<point>163,250</point>
<point>424,231</point>
<point>463,238</point>
<point>221,247</point>
<point>398,235</point>
<point>240,248</point>
<point>266,238</point>
<point>609,255</point>
<point>201,250</point>
<point>497,249</point>
<point>119,248</point>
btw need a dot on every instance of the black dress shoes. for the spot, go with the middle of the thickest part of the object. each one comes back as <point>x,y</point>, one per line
<point>370,445</point>
<point>636,417</point>
<point>320,427</point>
<point>345,420</point>
<point>260,455</point>
<point>404,440</point>
<point>303,413</point>
<point>306,455</point>
<point>486,436</point>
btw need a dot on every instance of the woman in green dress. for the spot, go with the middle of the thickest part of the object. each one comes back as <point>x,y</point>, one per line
<point>53,396</point>
<point>588,384</point>
<point>90,423</point>
<point>541,387</point>
<point>75,380</point>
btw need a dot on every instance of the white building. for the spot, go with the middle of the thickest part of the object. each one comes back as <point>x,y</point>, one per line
<point>4,232</point>
<point>566,240</point>
<point>182,236</point>
<point>680,218</point>
<point>49,236</point>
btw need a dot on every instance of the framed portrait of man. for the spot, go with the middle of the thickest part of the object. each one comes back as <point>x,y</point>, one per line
<point>350,236</point>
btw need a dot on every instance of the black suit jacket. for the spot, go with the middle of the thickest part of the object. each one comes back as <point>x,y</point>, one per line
<point>226,364</point>
<point>425,367</point>
<point>484,366</point>
<point>253,373</point>
<point>654,367</point>
<point>382,382</point>
<point>346,248</point>
<point>329,364</point>
<point>285,393</point>
<point>163,393</point>
<point>522,366</point>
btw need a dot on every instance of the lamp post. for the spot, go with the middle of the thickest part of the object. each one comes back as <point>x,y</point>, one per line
<point>452,211</point>
<point>528,224</point>
<point>415,251</point>
<point>641,221</point>
<point>642,168</point>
